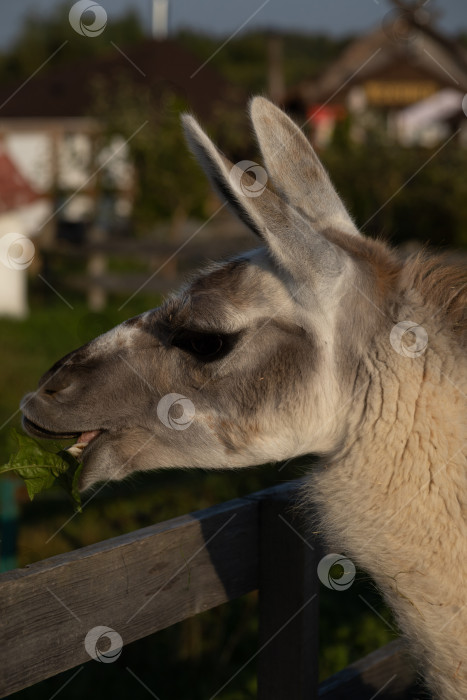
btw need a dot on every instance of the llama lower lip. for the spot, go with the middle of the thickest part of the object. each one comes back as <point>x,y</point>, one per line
<point>39,431</point>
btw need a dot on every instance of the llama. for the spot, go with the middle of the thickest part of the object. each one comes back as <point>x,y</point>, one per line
<point>320,341</point>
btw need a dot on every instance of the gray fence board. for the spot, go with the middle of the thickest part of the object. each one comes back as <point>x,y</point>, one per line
<point>136,584</point>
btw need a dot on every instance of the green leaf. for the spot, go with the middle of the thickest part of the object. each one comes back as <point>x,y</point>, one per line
<point>69,478</point>
<point>40,468</point>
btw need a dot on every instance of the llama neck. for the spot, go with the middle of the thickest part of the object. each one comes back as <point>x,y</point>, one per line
<point>395,502</point>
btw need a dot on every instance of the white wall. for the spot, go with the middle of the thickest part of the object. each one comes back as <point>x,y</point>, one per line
<point>17,252</point>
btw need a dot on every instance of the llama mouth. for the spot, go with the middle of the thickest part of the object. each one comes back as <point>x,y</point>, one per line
<point>83,438</point>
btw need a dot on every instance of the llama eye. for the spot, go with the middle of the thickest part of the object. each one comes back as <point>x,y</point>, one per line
<point>206,345</point>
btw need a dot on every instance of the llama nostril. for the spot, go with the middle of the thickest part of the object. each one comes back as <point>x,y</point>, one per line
<point>55,388</point>
<point>53,384</point>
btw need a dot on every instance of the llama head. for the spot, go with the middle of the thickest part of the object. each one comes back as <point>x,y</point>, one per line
<point>255,360</point>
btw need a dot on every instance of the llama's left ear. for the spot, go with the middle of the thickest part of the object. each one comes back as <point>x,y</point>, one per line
<point>295,169</point>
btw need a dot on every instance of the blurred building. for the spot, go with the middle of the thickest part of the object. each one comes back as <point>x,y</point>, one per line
<point>61,181</point>
<point>404,80</point>
<point>48,131</point>
<point>22,213</point>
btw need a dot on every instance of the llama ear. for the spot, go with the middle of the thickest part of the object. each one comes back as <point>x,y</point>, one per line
<point>295,169</point>
<point>226,178</point>
<point>303,252</point>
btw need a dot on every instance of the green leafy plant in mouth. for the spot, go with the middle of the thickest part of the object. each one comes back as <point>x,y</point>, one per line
<point>40,468</point>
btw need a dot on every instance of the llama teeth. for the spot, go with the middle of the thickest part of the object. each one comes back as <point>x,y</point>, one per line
<point>76,450</point>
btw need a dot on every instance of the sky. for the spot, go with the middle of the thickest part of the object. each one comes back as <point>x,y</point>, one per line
<point>223,17</point>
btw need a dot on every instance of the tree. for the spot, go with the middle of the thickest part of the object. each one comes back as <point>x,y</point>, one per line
<point>404,194</point>
<point>167,178</point>
<point>42,35</point>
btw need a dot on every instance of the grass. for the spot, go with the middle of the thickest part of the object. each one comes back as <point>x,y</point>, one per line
<point>195,658</point>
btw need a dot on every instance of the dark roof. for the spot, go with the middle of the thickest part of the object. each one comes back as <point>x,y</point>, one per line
<point>68,90</point>
<point>392,51</point>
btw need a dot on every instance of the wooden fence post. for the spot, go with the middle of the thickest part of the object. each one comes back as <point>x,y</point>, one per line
<point>288,604</point>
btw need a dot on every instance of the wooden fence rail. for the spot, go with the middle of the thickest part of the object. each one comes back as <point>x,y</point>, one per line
<point>152,578</point>
<point>162,263</point>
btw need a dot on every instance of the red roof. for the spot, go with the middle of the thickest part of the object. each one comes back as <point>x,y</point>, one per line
<point>15,190</point>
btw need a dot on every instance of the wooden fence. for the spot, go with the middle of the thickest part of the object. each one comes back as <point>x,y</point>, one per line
<point>161,263</point>
<point>152,578</point>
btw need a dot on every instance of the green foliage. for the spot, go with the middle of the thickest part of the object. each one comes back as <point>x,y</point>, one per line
<point>40,468</point>
<point>168,179</point>
<point>42,34</point>
<point>36,466</point>
<point>403,194</point>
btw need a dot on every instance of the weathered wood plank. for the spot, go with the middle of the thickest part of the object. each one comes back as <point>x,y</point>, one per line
<point>135,584</point>
<point>386,673</point>
<point>288,603</point>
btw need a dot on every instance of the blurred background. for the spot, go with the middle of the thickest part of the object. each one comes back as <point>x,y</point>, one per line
<point>103,211</point>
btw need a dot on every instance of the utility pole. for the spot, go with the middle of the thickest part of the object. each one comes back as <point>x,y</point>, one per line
<point>275,68</point>
<point>160,19</point>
